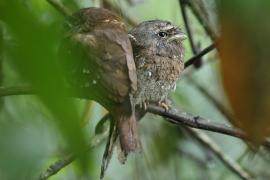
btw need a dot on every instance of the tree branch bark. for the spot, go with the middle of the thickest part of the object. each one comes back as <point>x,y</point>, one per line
<point>197,57</point>
<point>187,119</point>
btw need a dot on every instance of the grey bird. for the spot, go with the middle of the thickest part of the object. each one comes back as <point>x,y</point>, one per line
<point>158,53</point>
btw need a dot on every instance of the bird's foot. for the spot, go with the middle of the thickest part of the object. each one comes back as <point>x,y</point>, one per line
<point>145,105</point>
<point>165,105</point>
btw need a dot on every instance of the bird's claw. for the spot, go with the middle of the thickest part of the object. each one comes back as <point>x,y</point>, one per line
<point>164,105</point>
<point>145,105</point>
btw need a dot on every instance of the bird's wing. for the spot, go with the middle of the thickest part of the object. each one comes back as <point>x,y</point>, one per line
<point>105,56</point>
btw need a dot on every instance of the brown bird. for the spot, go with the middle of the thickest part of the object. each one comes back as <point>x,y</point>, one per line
<point>158,52</point>
<point>99,64</point>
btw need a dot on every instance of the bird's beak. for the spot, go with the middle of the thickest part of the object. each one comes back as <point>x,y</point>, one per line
<point>179,36</point>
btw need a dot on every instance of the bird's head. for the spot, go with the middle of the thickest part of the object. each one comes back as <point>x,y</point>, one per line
<point>157,35</point>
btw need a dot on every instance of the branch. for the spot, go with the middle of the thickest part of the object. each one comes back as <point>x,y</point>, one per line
<point>58,5</point>
<point>60,164</point>
<point>197,57</point>
<point>184,118</point>
<point>215,149</point>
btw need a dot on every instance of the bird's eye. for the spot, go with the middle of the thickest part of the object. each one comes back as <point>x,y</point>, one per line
<point>162,34</point>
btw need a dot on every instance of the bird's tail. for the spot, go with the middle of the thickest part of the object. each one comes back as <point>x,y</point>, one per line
<point>113,134</point>
<point>128,135</point>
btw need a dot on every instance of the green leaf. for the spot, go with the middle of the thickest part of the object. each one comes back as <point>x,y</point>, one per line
<point>35,57</point>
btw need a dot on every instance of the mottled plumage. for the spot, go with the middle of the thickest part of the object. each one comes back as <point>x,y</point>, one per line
<point>158,53</point>
<point>100,66</point>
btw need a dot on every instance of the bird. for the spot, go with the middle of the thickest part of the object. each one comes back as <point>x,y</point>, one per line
<point>159,58</point>
<point>99,65</point>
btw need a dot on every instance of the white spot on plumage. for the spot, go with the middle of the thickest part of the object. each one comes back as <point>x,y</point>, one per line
<point>132,37</point>
<point>176,56</point>
<point>94,82</point>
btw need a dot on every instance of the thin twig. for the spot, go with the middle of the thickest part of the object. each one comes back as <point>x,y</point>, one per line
<point>215,149</point>
<point>184,118</point>
<point>238,160</point>
<point>56,167</point>
<point>183,6</point>
<point>58,5</point>
<point>186,22</point>
<point>60,164</point>
<point>197,57</point>
<point>202,19</point>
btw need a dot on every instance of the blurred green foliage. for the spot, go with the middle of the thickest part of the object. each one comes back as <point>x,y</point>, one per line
<point>33,54</point>
<point>37,130</point>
